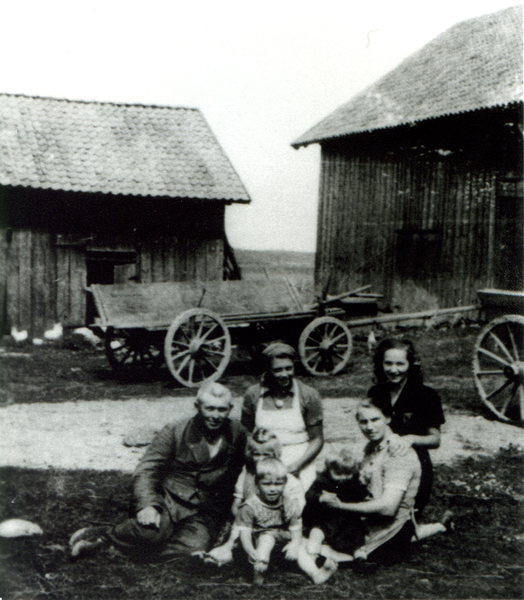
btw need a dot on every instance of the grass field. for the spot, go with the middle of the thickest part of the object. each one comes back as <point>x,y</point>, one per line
<point>481,558</point>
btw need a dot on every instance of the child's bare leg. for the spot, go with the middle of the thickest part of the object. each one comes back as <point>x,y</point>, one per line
<point>307,563</point>
<point>316,537</point>
<point>264,546</point>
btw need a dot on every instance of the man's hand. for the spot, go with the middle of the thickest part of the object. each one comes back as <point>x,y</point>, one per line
<point>399,445</point>
<point>149,517</point>
<point>329,499</point>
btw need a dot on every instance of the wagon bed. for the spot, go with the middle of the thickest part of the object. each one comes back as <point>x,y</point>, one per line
<point>193,324</point>
<point>155,305</point>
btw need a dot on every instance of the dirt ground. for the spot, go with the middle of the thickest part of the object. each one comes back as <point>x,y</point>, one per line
<point>90,435</point>
<point>64,415</point>
<point>64,407</point>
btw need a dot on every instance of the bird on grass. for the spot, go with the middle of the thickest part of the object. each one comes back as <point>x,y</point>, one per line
<point>18,336</point>
<point>88,335</point>
<point>372,342</point>
<point>55,333</point>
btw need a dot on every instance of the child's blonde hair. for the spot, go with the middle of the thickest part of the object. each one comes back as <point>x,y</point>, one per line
<point>262,440</point>
<point>343,462</point>
<point>270,466</point>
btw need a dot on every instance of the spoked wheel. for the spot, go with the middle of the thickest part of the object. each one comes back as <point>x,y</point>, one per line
<point>325,346</point>
<point>197,347</point>
<point>132,349</point>
<point>498,367</point>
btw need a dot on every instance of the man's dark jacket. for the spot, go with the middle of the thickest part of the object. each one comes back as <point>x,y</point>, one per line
<point>177,473</point>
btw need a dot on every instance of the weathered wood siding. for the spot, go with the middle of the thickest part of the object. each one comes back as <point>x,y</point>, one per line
<point>181,259</point>
<point>427,210</point>
<point>45,253</point>
<point>391,222</point>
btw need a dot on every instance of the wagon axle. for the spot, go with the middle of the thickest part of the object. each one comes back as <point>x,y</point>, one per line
<point>515,372</point>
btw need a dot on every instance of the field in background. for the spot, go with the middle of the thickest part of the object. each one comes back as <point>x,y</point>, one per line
<point>275,261</point>
<point>297,267</point>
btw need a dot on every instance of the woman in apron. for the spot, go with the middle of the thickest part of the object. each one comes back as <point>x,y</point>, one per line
<point>289,408</point>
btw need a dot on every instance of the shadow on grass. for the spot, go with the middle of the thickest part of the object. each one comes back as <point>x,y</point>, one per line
<point>481,558</point>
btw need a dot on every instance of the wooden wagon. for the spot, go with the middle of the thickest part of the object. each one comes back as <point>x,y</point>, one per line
<point>193,326</point>
<point>498,362</point>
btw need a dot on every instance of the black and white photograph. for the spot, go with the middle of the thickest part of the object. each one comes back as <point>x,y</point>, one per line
<point>262,300</point>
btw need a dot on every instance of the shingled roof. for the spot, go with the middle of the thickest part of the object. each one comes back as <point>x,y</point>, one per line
<point>114,149</point>
<point>473,65</point>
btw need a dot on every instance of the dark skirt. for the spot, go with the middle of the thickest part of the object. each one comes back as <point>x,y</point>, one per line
<point>426,480</point>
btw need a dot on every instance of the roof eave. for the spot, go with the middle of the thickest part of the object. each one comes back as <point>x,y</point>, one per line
<point>229,200</point>
<point>303,143</point>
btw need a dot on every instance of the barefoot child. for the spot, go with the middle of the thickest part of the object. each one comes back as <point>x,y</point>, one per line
<point>260,445</point>
<point>264,520</point>
<point>334,534</point>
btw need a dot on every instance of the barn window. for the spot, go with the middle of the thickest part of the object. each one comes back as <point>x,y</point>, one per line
<point>108,267</point>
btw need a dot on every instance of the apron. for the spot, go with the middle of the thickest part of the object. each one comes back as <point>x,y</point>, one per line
<point>289,427</point>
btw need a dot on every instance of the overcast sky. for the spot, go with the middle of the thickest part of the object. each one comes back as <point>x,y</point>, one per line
<point>262,72</point>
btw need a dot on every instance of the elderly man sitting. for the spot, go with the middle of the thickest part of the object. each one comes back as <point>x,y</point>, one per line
<point>183,485</point>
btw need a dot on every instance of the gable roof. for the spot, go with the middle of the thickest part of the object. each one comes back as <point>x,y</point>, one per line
<point>114,149</point>
<point>473,65</point>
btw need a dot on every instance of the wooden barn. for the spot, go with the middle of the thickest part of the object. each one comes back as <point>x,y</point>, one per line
<point>421,174</point>
<point>96,192</point>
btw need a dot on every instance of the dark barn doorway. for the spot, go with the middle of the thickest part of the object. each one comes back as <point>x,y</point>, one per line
<point>108,267</point>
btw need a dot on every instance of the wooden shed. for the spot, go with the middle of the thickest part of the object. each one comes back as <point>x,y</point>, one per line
<point>421,175</point>
<point>95,192</point>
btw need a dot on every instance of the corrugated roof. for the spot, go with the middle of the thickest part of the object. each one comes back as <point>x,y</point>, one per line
<point>114,149</point>
<point>473,65</point>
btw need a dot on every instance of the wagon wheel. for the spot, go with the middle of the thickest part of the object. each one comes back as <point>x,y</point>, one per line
<point>197,347</point>
<point>132,349</point>
<point>498,367</point>
<point>325,346</point>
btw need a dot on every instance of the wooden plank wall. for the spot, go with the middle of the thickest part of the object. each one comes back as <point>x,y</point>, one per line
<point>181,259</point>
<point>364,202</point>
<point>71,279</point>
<point>43,282</point>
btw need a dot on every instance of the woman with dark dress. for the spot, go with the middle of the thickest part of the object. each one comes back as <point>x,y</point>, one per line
<point>415,409</point>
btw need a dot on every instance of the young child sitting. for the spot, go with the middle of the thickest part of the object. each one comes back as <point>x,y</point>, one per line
<point>334,534</point>
<point>260,445</point>
<point>264,519</point>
